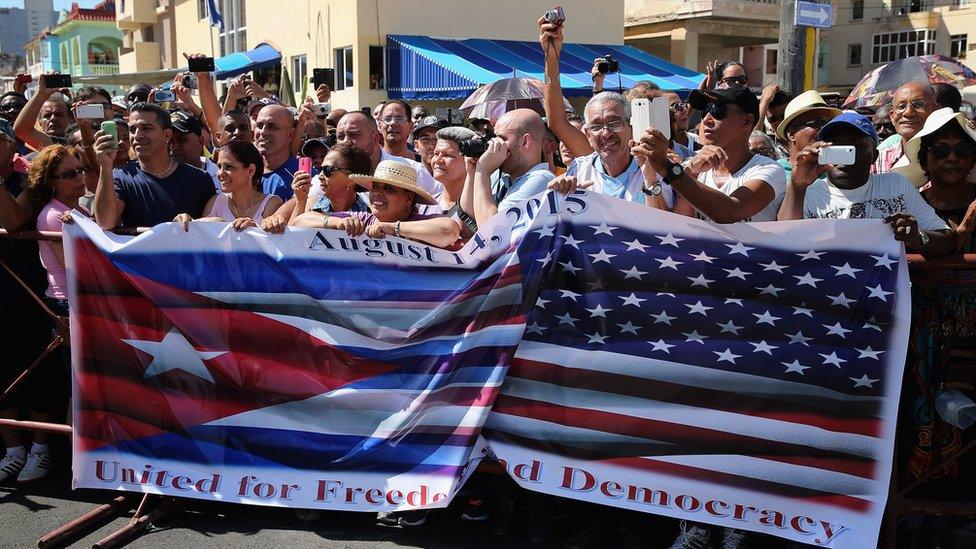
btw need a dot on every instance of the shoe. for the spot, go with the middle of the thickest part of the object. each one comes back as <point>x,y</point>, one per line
<point>698,536</point>
<point>540,526</point>
<point>586,537</point>
<point>733,539</point>
<point>474,510</point>
<point>10,467</point>
<point>37,467</point>
<point>412,519</point>
<point>388,518</point>
<point>502,517</point>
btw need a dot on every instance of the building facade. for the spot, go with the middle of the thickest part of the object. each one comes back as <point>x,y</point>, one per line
<point>18,25</point>
<point>84,42</point>
<point>346,35</point>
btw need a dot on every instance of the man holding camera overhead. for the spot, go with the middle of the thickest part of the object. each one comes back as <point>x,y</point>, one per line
<point>602,148</point>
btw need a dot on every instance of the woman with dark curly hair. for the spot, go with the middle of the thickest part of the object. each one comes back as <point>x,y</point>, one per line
<point>56,183</point>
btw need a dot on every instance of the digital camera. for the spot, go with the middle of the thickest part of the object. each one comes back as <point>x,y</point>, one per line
<point>607,64</point>
<point>555,15</point>
<point>474,147</point>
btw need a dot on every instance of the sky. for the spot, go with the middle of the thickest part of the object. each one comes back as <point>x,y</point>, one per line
<point>58,4</point>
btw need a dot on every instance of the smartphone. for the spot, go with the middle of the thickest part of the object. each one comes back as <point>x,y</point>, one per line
<point>90,112</point>
<point>190,81</point>
<point>200,64</point>
<point>324,76</point>
<point>305,164</point>
<point>57,80</point>
<point>838,155</point>
<point>165,95</point>
<point>646,113</point>
<point>110,128</point>
<point>23,78</point>
<point>322,109</point>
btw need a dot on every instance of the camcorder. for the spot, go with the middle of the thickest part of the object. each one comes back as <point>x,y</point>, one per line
<point>555,15</point>
<point>607,64</point>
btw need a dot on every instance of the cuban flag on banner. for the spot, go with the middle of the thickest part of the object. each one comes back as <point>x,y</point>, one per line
<point>216,20</point>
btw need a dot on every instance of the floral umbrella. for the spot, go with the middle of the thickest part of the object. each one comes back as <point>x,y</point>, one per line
<point>493,100</point>
<point>876,87</point>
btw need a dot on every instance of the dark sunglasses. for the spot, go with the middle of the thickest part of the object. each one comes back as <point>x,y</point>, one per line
<point>740,80</point>
<point>71,174</point>
<point>328,170</point>
<point>816,123</point>
<point>718,110</point>
<point>679,107</point>
<point>942,151</point>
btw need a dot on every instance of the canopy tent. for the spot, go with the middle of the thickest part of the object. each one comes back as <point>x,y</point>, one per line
<point>419,67</point>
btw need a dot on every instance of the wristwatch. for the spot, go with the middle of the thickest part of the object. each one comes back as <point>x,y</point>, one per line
<point>673,171</point>
<point>924,237</point>
<point>653,190</point>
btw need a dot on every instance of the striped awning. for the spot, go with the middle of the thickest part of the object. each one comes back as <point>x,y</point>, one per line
<point>419,67</point>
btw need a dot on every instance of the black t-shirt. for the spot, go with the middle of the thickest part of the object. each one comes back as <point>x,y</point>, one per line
<point>21,256</point>
<point>150,200</point>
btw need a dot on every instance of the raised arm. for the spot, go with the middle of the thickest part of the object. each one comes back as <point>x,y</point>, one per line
<point>26,124</point>
<point>551,40</point>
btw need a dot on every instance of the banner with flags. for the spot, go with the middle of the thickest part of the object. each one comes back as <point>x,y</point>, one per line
<point>741,375</point>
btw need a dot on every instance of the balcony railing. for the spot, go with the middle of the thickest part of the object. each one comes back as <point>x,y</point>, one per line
<point>95,70</point>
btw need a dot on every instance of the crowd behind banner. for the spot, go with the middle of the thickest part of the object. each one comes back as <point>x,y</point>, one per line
<point>246,159</point>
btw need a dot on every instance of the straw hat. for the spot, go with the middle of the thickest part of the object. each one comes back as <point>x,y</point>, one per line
<point>397,174</point>
<point>807,101</point>
<point>909,165</point>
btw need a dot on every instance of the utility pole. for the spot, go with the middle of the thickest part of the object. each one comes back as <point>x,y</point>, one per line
<point>796,61</point>
<point>792,47</point>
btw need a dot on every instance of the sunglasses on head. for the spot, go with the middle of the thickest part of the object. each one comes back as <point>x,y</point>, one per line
<point>942,151</point>
<point>71,174</point>
<point>679,107</point>
<point>329,170</point>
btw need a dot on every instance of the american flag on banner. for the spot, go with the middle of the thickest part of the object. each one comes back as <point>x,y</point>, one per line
<point>758,364</point>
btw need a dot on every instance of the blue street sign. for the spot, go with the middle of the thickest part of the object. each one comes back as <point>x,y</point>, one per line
<point>811,14</point>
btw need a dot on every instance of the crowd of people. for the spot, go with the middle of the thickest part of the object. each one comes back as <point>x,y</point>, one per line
<point>395,170</point>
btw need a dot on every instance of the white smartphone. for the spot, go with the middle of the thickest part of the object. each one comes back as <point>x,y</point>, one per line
<point>838,155</point>
<point>90,112</point>
<point>645,113</point>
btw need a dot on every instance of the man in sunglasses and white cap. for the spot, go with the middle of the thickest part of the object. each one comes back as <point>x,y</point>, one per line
<point>853,192</point>
<point>724,181</point>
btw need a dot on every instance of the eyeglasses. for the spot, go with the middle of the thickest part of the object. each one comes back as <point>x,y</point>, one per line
<point>730,80</point>
<point>328,170</point>
<point>917,105</point>
<point>679,107</point>
<point>71,174</point>
<point>398,119</point>
<point>718,110</point>
<point>615,126</point>
<point>816,124</point>
<point>942,151</point>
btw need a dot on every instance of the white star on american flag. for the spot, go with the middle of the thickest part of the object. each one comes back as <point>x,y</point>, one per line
<point>770,290</point>
<point>841,300</point>
<point>596,338</point>
<point>727,355</point>
<point>739,248</point>
<point>633,272</point>
<point>699,280</point>
<point>694,336</point>
<point>546,230</point>
<point>864,381</point>
<point>569,267</point>
<point>598,311</point>
<point>628,327</point>
<point>660,345</point>
<point>632,300</point>
<point>772,266</point>
<point>635,245</point>
<point>883,261</point>
<point>798,337</point>
<point>698,308</point>
<point>534,328</point>
<point>807,279</point>
<point>832,358</point>
<point>703,257</point>
<point>837,329</point>
<point>868,353</point>
<point>663,318</point>
<point>847,270</point>
<point>736,273</point>
<point>566,319</point>
<point>570,241</point>
<point>602,255</point>
<point>795,366</point>
<point>763,347</point>
<point>879,293</point>
<point>669,263</point>
<point>810,255</point>
<point>570,294</point>
<point>603,228</point>
<point>669,239</point>
<point>729,327</point>
<point>766,318</point>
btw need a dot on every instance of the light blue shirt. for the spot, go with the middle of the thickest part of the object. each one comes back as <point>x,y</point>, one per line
<point>626,186</point>
<point>508,193</point>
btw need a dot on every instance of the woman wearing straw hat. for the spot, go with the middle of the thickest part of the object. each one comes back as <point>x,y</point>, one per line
<point>940,162</point>
<point>393,199</point>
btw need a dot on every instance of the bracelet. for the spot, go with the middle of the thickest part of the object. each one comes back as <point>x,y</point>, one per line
<point>396,229</point>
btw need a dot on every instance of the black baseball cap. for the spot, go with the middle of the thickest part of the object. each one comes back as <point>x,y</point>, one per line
<point>429,122</point>
<point>313,142</point>
<point>185,122</point>
<point>740,96</point>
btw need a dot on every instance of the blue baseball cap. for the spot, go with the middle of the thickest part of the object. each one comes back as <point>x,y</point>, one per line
<point>850,118</point>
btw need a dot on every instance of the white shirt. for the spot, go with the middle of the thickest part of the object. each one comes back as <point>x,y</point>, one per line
<point>626,186</point>
<point>758,167</point>
<point>883,194</point>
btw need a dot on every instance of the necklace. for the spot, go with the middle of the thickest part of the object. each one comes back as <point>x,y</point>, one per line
<point>247,209</point>
<point>162,173</point>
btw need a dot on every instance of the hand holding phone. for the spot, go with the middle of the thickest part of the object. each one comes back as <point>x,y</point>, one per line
<point>305,164</point>
<point>323,76</point>
<point>650,113</point>
<point>91,111</point>
<point>110,128</point>
<point>200,64</point>
<point>54,81</point>
<point>162,96</point>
